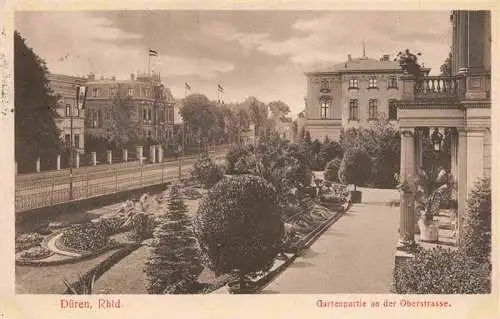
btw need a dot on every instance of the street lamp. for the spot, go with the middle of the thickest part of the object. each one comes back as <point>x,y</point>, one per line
<point>436,139</point>
<point>81,94</point>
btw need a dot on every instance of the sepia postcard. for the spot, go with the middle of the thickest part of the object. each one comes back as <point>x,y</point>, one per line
<point>247,159</point>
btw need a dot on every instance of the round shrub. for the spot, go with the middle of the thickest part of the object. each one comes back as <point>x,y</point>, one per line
<point>332,170</point>
<point>475,230</point>
<point>355,167</point>
<point>235,153</point>
<point>206,171</point>
<point>85,237</point>
<point>238,225</point>
<point>27,241</point>
<point>36,253</point>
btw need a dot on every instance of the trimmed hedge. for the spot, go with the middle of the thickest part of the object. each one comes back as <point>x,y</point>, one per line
<point>85,237</point>
<point>442,271</point>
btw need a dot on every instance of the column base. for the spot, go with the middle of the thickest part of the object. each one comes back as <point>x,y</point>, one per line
<point>406,245</point>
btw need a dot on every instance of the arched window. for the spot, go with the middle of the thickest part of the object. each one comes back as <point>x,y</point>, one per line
<point>324,107</point>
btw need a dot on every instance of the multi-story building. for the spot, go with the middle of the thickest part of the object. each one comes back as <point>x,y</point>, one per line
<point>64,86</point>
<point>149,102</point>
<point>351,94</point>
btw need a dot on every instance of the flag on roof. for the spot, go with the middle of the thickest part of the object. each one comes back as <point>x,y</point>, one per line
<point>220,88</point>
<point>153,53</point>
<point>188,87</point>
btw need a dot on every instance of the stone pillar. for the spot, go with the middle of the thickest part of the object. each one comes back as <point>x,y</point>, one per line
<point>407,209</point>
<point>152,153</point>
<point>418,148</point>
<point>454,154</point>
<point>407,220</point>
<point>94,158</point>
<point>139,153</point>
<point>160,154</point>
<point>77,159</point>
<point>38,165</point>
<point>475,160</point>
<point>462,171</point>
<point>125,155</point>
<point>109,156</point>
<point>58,162</point>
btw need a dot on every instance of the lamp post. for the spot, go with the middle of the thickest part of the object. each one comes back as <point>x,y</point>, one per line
<point>81,93</point>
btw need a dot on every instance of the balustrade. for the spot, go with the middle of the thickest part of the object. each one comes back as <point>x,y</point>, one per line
<point>439,87</point>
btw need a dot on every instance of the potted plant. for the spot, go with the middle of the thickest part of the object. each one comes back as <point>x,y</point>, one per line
<point>431,190</point>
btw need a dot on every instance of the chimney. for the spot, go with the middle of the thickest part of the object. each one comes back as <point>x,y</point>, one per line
<point>349,58</point>
<point>132,76</point>
<point>386,57</point>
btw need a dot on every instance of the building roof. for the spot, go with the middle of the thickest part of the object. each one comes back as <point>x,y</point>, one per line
<point>360,64</point>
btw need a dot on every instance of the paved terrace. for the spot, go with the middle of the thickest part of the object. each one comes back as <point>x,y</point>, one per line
<point>355,255</point>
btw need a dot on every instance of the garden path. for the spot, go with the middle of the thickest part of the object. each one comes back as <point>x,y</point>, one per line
<point>355,255</point>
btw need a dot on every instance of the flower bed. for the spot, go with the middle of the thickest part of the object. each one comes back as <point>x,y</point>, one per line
<point>85,237</point>
<point>27,241</point>
<point>36,253</point>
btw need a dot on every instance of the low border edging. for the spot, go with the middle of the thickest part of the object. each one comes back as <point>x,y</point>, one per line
<point>99,269</point>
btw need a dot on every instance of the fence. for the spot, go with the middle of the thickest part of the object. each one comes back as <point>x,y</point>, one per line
<point>55,189</point>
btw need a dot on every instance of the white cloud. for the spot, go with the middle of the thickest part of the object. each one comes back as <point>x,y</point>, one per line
<point>205,68</point>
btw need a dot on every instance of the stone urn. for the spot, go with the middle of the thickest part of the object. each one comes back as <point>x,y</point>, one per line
<point>428,229</point>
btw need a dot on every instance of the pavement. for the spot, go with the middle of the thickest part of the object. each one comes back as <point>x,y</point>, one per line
<point>355,255</point>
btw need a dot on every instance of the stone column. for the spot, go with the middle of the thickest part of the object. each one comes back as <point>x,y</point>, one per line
<point>94,158</point>
<point>152,153</point>
<point>125,155</point>
<point>418,149</point>
<point>160,154</point>
<point>139,153</point>
<point>475,160</point>
<point>58,162</point>
<point>38,165</point>
<point>77,159</point>
<point>109,156</point>
<point>454,154</point>
<point>462,171</point>
<point>407,209</point>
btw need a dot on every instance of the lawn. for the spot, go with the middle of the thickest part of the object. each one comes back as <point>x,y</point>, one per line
<point>49,279</point>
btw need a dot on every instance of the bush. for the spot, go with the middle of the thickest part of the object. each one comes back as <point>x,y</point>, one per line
<point>174,263</point>
<point>36,253</point>
<point>475,230</point>
<point>442,271</point>
<point>332,170</point>
<point>329,151</point>
<point>85,237</point>
<point>206,171</point>
<point>235,153</point>
<point>27,241</point>
<point>238,225</point>
<point>355,167</point>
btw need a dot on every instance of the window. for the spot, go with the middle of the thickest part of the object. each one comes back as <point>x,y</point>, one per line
<point>353,110</point>
<point>372,82</point>
<point>149,114</point>
<point>68,110</point>
<point>95,92</point>
<point>77,141</point>
<point>146,92</point>
<point>372,109</point>
<point>112,92</point>
<point>94,119</point>
<point>353,84</point>
<point>77,112</point>
<point>324,86</point>
<point>392,82</point>
<point>131,92</point>
<point>67,140</point>
<point>324,104</point>
<point>393,110</point>
<point>144,114</point>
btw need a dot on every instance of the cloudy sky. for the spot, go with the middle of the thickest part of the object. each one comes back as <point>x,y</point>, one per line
<point>260,53</point>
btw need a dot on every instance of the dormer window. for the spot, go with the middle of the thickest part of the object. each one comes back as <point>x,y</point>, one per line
<point>372,82</point>
<point>353,83</point>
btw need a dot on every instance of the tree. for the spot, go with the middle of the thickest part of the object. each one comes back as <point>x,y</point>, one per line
<point>278,109</point>
<point>198,113</point>
<point>328,151</point>
<point>238,225</point>
<point>258,112</point>
<point>355,167</point>
<point>206,171</point>
<point>174,264</point>
<point>36,133</point>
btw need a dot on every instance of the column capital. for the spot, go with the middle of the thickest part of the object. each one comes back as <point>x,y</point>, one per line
<point>407,131</point>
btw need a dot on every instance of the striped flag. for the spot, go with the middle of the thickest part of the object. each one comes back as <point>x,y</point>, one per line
<point>153,53</point>
<point>220,88</point>
<point>188,87</point>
